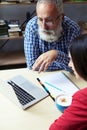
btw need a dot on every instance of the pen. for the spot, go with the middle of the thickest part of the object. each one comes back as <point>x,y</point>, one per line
<point>53,86</point>
<point>45,89</point>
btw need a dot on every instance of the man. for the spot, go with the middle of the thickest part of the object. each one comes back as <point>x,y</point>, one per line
<point>48,36</point>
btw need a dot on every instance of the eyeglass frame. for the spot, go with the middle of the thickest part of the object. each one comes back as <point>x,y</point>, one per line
<point>51,22</point>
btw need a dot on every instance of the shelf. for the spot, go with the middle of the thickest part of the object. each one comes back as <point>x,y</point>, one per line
<point>11,48</point>
<point>75,2</point>
<point>14,58</point>
<point>14,3</point>
<point>12,37</point>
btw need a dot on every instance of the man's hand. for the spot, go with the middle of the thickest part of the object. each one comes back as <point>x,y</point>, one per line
<point>44,60</point>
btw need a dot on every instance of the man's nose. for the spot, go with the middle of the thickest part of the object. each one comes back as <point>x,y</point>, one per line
<point>44,26</point>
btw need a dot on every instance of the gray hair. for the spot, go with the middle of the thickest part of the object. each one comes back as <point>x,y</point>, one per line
<point>58,4</point>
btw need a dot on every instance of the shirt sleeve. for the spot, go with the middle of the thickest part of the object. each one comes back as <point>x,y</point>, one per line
<point>71,31</point>
<point>61,62</point>
<point>34,46</point>
<point>32,51</point>
<point>75,116</point>
<point>30,45</point>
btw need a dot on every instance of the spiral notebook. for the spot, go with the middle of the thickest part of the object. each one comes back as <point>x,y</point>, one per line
<point>59,83</point>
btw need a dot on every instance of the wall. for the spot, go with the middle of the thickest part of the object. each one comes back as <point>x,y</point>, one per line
<point>75,11</point>
<point>16,11</point>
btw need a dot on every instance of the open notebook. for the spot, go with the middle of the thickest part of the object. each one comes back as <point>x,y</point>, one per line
<point>21,91</point>
<point>58,84</point>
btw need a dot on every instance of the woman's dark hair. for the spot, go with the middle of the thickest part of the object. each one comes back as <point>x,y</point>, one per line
<point>78,51</point>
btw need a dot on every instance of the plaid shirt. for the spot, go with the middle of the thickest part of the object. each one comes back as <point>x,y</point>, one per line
<point>34,46</point>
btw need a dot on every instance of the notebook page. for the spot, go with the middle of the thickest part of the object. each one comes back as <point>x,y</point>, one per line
<point>58,83</point>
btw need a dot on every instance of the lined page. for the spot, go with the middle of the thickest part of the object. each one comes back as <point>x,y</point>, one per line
<point>58,84</point>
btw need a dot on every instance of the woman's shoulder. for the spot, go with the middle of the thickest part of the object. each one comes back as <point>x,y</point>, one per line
<point>81,94</point>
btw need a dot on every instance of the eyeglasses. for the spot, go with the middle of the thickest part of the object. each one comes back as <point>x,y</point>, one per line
<point>49,22</point>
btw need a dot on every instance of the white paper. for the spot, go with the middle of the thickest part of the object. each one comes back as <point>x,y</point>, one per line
<point>58,84</point>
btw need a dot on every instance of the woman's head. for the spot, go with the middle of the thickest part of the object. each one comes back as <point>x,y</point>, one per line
<point>78,54</point>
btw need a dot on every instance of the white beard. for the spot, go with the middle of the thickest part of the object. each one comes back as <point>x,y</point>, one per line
<point>50,35</point>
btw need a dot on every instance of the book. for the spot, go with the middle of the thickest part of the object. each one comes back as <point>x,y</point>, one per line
<point>14,34</point>
<point>13,23</point>
<point>58,84</point>
<point>3,28</point>
<point>14,29</point>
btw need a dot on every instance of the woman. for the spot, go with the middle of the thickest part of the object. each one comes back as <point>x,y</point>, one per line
<point>75,116</point>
